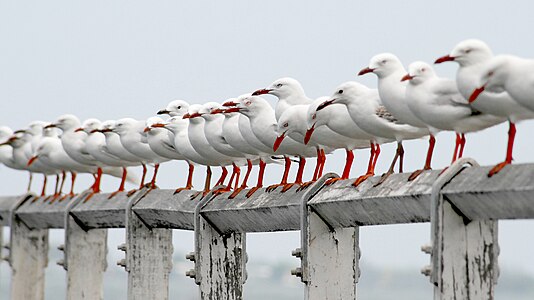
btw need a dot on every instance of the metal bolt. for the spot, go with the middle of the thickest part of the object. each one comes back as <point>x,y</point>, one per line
<point>190,256</point>
<point>122,247</point>
<point>426,270</point>
<point>191,273</point>
<point>297,252</point>
<point>427,249</point>
<point>122,263</point>
<point>61,262</point>
<point>61,247</point>
<point>297,272</point>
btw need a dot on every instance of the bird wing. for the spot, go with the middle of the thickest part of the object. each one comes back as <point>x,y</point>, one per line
<point>383,113</point>
<point>446,92</point>
<point>104,149</point>
<point>169,146</point>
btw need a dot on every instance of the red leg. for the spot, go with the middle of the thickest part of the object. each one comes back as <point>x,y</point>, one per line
<point>456,147</point>
<point>96,185</point>
<point>189,184</point>
<point>223,176</point>
<point>259,185</point>
<point>371,157</point>
<point>208,181</point>
<point>509,150</point>
<point>237,172</point>
<point>462,146</point>
<point>43,191</point>
<point>153,181</point>
<point>63,177</point>
<point>73,180</point>
<point>56,188</point>
<point>247,174</point>
<point>401,157</point>
<point>375,159</point>
<point>317,165</point>
<point>142,184</point>
<point>287,167</point>
<point>323,161</point>
<point>348,164</point>
<point>121,186</point>
<point>428,160</point>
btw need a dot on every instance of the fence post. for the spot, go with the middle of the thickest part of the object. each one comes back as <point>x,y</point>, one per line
<point>464,252</point>
<point>148,255</point>
<point>330,256</point>
<point>220,259</point>
<point>28,257</point>
<point>85,256</point>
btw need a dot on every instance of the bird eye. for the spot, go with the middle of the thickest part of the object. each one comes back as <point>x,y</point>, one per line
<point>467,51</point>
<point>423,69</point>
<point>314,116</point>
<point>384,61</point>
<point>279,85</point>
<point>286,124</point>
<point>179,107</point>
<point>490,73</point>
<point>340,92</point>
<point>248,102</point>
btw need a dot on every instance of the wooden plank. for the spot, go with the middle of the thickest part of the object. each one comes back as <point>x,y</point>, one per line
<point>262,212</point>
<point>395,201</point>
<point>42,213</point>
<point>148,257</point>
<point>101,212</point>
<point>163,209</point>
<point>507,195</point>
<point>6,205</point>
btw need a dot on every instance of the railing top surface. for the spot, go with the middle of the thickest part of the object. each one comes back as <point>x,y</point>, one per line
<point>507,195</point>
<point>396,200</point>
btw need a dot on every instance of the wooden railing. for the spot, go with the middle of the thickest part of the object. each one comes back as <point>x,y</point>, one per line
<point>462,205</point>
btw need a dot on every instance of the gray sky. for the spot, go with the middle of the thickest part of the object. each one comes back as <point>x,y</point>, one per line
<point>112,59</point>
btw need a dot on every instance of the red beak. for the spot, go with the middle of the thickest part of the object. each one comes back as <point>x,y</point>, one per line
<point>194,115</point>
<point>94,130</point>
<point>444,59</point>
<point>32,160</point>
<point>407,77</point>
<point>232,109</point>
<point>325,104</point>
<point>106,130</point>
<point>308,135</point>
<point>147,129</point>
<point>261,92</point>
<point>186,116</point>
<point>365,71</point>
<point>217,111</point>
<point>229,103</point>
<point>278,141</point>
<point>50,126</point>
<point>78,129</point>
<point>476,93</point>
<point>158,125</point>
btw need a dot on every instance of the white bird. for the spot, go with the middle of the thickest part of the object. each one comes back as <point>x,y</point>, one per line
<point>367,111</point>
<point>213,130</point>
<point>392,91</point>
<point>474,56</point>
<point>264,126</point>
<point>6,152</point>
<point>177,126</point>
<point>199,141</point>
<point>440,105</point>
<point>134,139</point>
<point>321,129</point>
<point>289,92</point>
<point>95,145</point>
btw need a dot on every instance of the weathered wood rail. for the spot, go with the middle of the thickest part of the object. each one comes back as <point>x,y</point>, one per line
<point>463,206</point>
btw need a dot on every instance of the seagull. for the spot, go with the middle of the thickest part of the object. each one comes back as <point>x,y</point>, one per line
<point>264,126</point>
<point>289,92</point>
<point>321,128</point>
<point>199,141</point>
<point>292,125</point>
<point>370,115</point>
<point>177,126</point>
<point>134,139</point>
<point>213,130</point>
<point>6,152</point>
<point>473,56</point>
<point>96,146</point>
<point>392,91</point>
<point>440,105</point>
